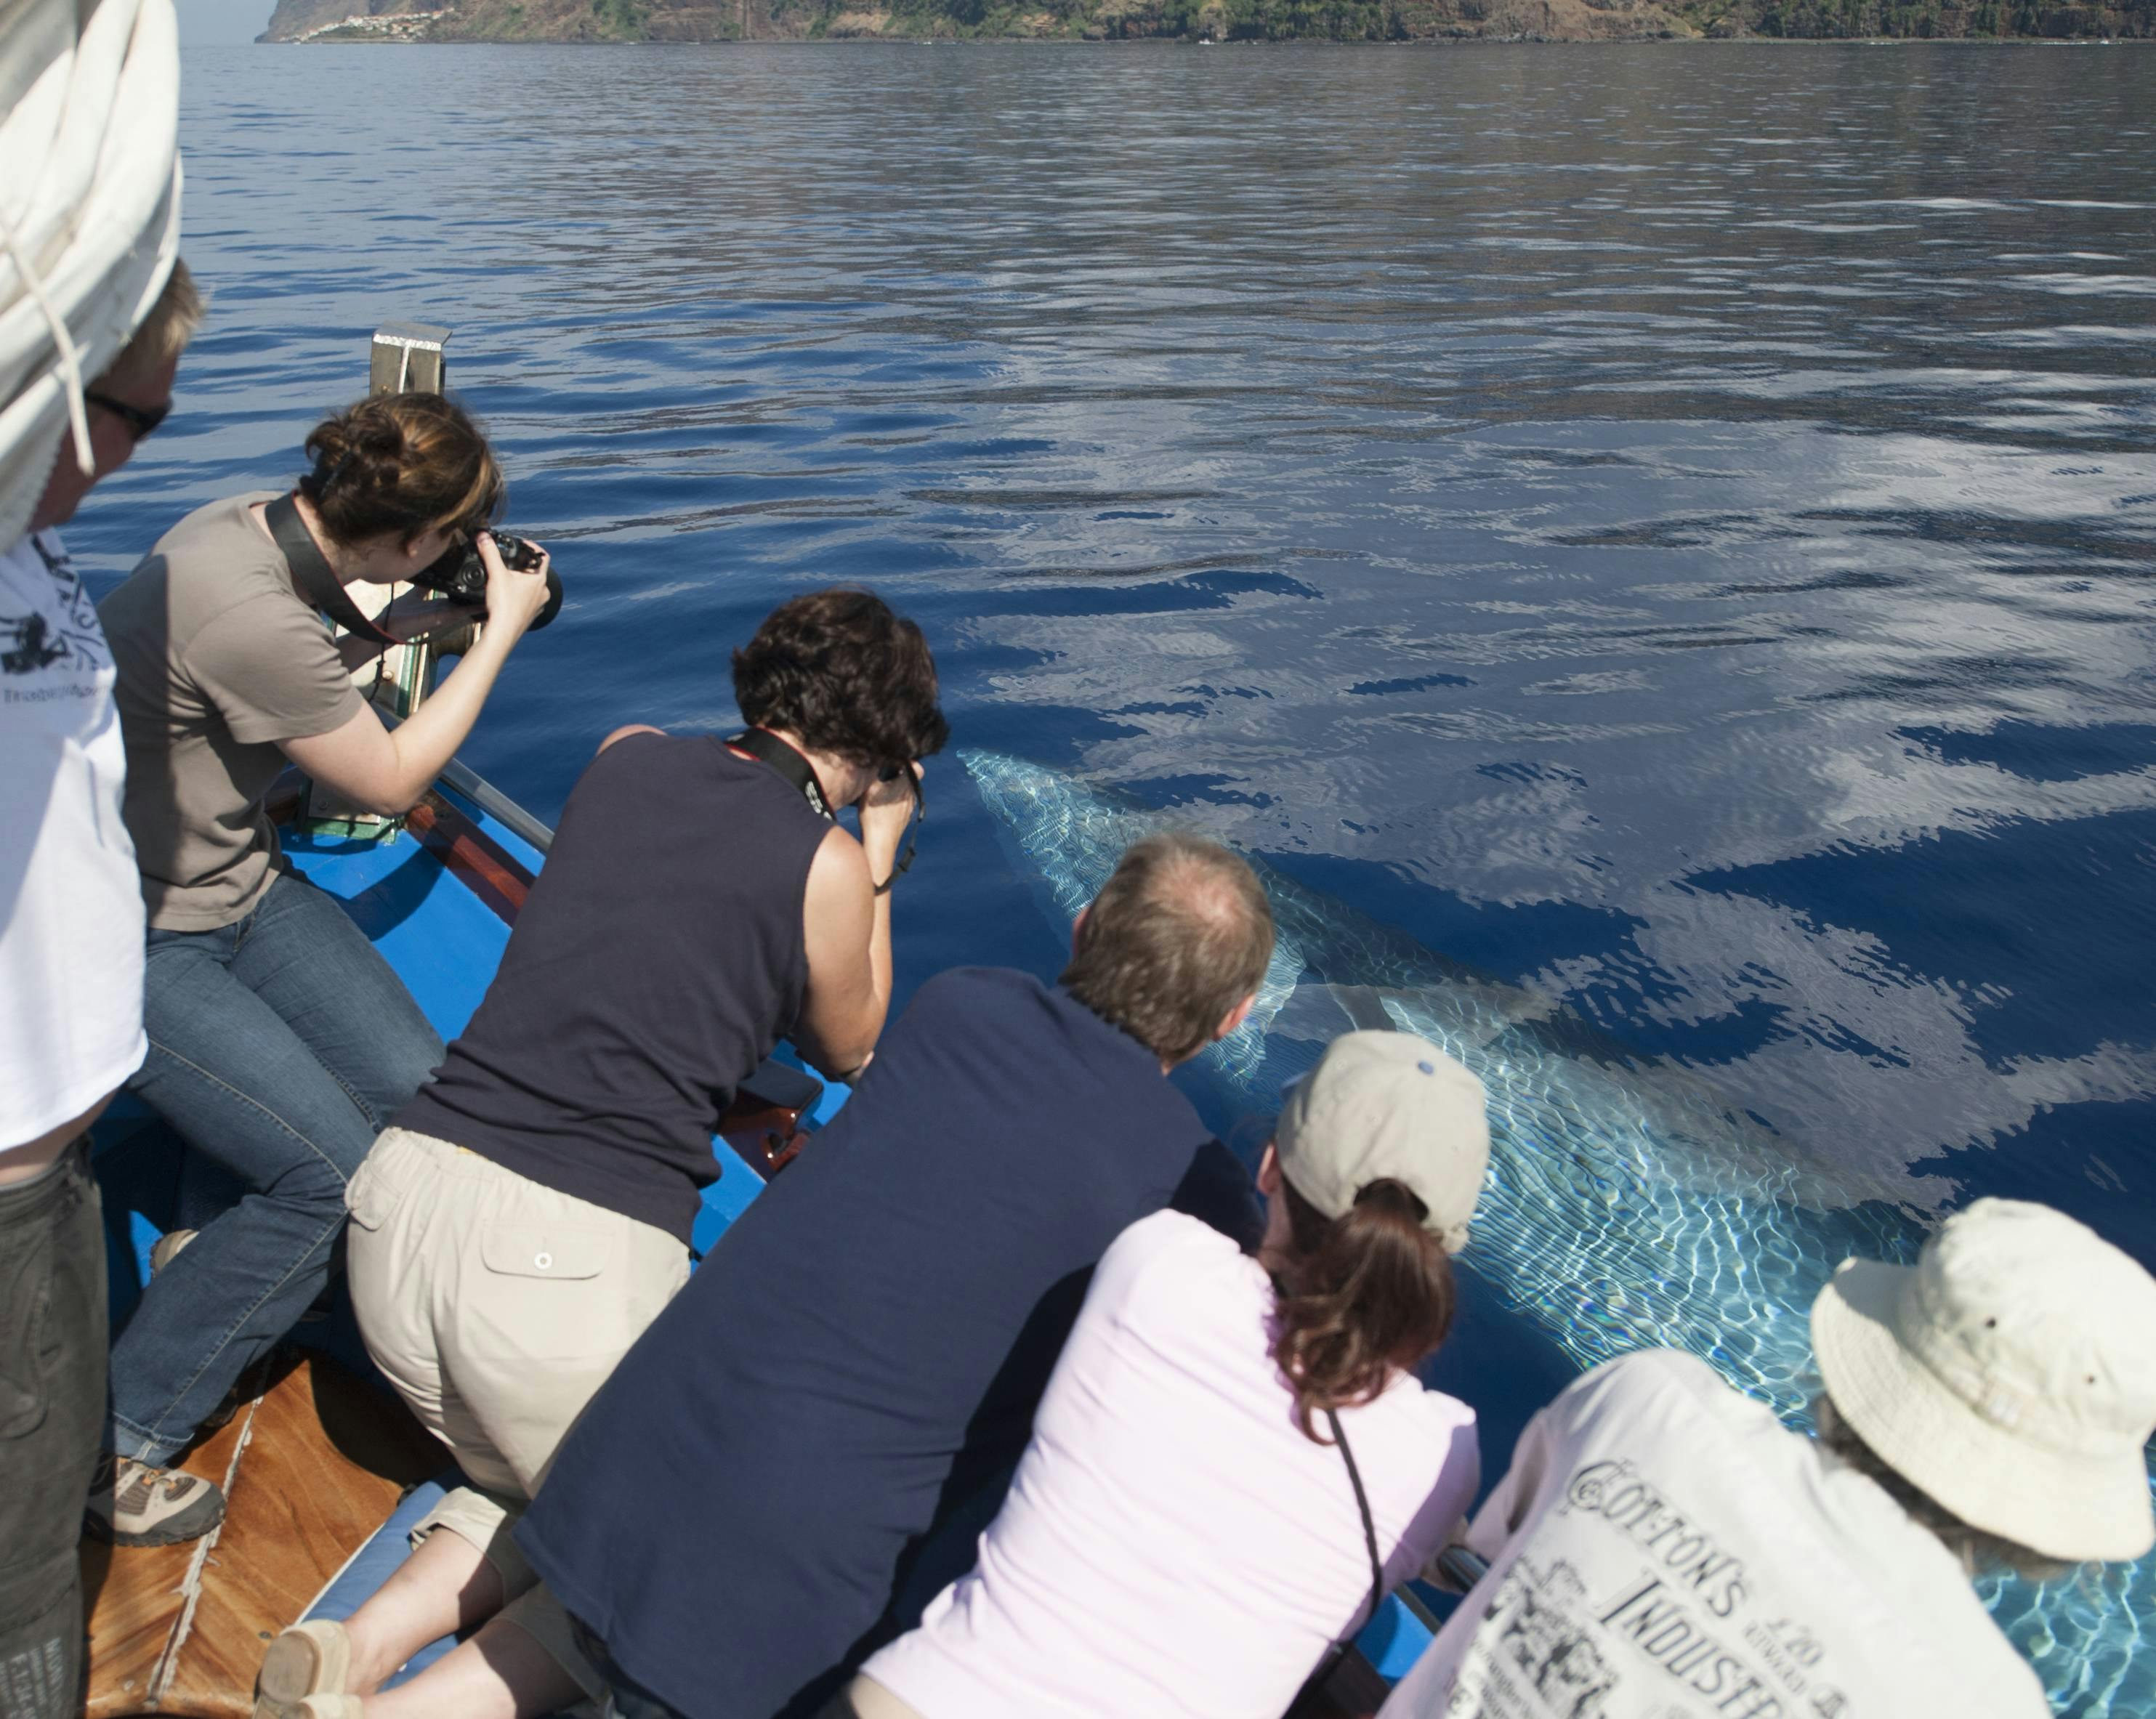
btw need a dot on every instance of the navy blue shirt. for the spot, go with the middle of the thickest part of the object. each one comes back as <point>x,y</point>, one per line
<point>660,957</point>
<point>861,1352</point>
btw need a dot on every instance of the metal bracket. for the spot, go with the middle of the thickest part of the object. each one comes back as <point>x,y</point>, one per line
<point>408,356</point>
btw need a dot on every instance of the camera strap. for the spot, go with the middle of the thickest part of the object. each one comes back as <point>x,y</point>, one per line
<point>311,573</point>
<point>1338,1651</point>
<point>762,744</point>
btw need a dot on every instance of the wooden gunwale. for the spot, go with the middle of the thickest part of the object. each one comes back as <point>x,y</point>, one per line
<point>481,864</point>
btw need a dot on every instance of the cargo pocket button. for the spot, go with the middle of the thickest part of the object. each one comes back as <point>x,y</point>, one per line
<point>543,1261</point>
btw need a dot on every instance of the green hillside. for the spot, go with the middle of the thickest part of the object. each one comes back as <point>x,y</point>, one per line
<point>1226,20</point>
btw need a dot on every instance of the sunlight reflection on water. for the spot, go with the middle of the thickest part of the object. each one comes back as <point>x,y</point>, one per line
<point>1669,527</point>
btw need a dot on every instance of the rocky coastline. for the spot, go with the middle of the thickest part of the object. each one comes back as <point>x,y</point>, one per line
<point>412,20</point>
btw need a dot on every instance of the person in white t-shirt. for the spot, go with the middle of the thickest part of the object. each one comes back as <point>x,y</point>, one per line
<point>70,1019</point>
<point>1663,1547</point>
<point>1234,1461</point>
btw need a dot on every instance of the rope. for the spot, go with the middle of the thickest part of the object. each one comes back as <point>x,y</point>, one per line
<point>70,365</point>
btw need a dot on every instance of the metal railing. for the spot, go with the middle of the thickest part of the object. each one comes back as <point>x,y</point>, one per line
<point>496,804</point>
<point>1458,1569</point>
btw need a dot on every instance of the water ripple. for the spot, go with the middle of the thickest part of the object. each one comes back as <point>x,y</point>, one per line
<point>1673,529</point>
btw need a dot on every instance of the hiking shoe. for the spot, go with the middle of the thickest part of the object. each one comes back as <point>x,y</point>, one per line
<point>310,1659</point>
<point>166,1248</point>
<point>133,1504</point>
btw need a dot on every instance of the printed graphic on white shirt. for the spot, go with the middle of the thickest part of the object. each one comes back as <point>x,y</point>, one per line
<point>1654,1621</point>
<point>70,899</point>
<point>51,646</point>
<point>1662,1548</point>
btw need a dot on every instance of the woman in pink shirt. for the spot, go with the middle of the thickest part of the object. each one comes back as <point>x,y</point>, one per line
<point>1234,1461</point>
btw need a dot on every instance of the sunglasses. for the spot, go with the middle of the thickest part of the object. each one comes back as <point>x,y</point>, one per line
<point>140,420</point>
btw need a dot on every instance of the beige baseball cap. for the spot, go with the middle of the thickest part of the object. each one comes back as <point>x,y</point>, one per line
<point>1387,1104</point>
<point>2011,1373</point>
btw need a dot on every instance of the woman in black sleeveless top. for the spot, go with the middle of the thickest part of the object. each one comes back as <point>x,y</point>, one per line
<point>530,1212</point>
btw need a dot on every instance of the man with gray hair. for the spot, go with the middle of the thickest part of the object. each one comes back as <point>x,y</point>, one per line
<point>70,1019</point>
<point>784,1468</point>
<point>1663,1545</point>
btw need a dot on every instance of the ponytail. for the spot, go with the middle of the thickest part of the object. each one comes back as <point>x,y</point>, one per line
<point>406,463</point>
<point>1365,1293</point>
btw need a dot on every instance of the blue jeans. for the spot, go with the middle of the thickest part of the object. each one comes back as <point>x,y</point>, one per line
<point>279,1046</point>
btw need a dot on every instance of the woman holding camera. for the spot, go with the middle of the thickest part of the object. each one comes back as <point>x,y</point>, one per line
<point>279,1041</point>
<point>530,1212</point>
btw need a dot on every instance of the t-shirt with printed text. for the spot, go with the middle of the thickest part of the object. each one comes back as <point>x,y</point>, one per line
<point>1664,1548</point>
<point>70,910</point>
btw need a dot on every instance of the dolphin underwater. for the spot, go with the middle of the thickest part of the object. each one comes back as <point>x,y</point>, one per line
<point>1625,1207</point>
<point>1628,1205</point>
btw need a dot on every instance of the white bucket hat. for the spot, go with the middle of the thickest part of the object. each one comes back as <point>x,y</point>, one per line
<point>1388,1105</point>
<point>2011,1373</point>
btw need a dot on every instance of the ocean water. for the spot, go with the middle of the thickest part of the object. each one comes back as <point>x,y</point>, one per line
<point>1667,528</point>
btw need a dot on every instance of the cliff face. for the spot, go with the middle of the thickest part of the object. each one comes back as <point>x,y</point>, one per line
<point>380,20</point>
<point>1336,20</point>
<point>736,20</point>
<point>309,20</point>
<point>1971,20</point>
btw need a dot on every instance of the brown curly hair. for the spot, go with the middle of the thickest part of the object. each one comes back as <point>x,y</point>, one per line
<point>1367,1292</point>
<point>407,463</point>
<point>838,667</point>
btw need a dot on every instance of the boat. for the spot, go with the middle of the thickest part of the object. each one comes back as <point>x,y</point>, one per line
<point>324,1470</point>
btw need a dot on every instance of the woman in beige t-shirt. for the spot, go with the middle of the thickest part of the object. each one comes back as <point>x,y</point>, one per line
<point>281,1042</point>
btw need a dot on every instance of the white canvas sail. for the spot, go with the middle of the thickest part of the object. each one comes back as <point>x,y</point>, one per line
<point>90,212</point>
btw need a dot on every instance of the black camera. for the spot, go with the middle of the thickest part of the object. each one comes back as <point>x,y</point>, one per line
<point>460,575</point>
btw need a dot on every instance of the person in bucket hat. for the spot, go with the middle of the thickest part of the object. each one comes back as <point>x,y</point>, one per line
<point>1182,1539</point>
<point>2009,1374</point>
<point>1663,1545</point>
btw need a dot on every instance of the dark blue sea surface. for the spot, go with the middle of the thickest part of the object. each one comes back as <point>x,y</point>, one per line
<point>1672,528</point>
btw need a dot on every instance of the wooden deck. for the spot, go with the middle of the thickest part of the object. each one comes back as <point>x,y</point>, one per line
<point>311,1466</point>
